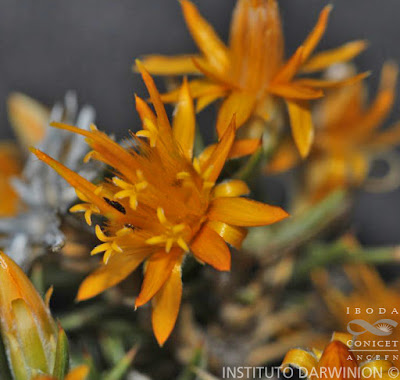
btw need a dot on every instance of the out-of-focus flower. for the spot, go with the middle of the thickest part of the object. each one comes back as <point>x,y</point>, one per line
<point>10,165</point>
<point>251,74</point>
<point>369,300</point>
<point>29,119</point>
<point>162,203</point>
<point>337,361</point>
<point>43,196</point>
<point>78,373</point>
<point>346,137</point>
<point>33,343</point>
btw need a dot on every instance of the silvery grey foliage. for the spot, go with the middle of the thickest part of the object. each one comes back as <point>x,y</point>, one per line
<point>45,195</point>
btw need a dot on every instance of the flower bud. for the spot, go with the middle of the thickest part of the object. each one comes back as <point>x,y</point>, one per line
<point>28,331</point>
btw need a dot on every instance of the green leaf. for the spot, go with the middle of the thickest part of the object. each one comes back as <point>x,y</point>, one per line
<point>61,363</point>
<point>120,369</point>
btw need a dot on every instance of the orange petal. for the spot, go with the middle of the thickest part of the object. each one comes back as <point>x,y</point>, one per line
<point>323,83</point>
<point>285,158</point>
<point>205,37</point>
<point>221,78</point>
<point>326,175</point>
<point>289,70</point>
<point>176,65</point>
<point>294,90</point>
<point>198,88</point>
<point>239,103</point>
<point>184,122</point>
<point>211,249</point>
<point>78,373</point>
<point>117,269</point>
<point>233,235</point>
<point>158,269</point>
<point>244,212</point>
<point>389,137</point>
<point>79,183</point>
<point>240,148</point>
<point>220,154</point>
<point>166,305</point>
<point>302,125</point>
<point>231,188</point>
<point>205,100</point>
<point>10,165</point>
<point>299,358</point>
<point>337,356</point>
<point>109,151</point>
<point>155,98</point>
<point>316,34</point>
<point>144,110</point>
<point>384,100</point>
<point>327,58</point>
<point>244,147</point>
<point>359,167</point>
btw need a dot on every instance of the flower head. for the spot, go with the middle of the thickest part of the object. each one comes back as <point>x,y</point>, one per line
<point>347,135</point>
<point>78,373</point>
<point>251,73</point>
<point>369,299</point>
<point>337,361</point>
<point>162,204</point>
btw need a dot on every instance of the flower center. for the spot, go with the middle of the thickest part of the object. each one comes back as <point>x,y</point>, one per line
<point>129,190</point>
<point>173,233</point>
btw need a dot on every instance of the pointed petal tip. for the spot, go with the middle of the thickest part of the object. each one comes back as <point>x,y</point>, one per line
<point>226,267</point>
<point>32,149</point>
<point>139,302</point>
<point>82,296</point>
<point>161,337</point>
<point>141,68</point>
<point>136,65</point>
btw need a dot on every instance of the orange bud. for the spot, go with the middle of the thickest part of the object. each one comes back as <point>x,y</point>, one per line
<point>28,331</point>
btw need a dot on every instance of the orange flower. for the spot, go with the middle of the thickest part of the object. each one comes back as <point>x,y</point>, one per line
<point>369,299</point>
<point>9,167</point>
<point>346,137</point>
<point>162,203</point>
<point>29,119</point>
<point>251,73</point>
<point>78,373</point>
<point>337,361</point>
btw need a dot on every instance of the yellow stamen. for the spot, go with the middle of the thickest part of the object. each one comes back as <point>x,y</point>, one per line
<point>150,132</point>
<point>131,191</point>
<point>109,245</point>
<point>88,208</point>
<point>174,234</point>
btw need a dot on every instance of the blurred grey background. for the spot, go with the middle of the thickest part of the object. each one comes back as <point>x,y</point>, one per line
<point>48,47</point>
